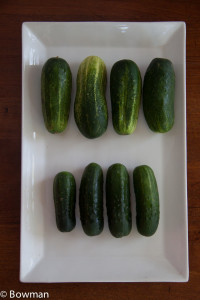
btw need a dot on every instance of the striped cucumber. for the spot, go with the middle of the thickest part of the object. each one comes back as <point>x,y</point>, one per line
<point>90,107</point>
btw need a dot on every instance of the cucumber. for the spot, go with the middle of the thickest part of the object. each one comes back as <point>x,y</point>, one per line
<point>125,92</point>
<point>118,200</point>
<point>147,200</point>
<point>91,200</point>
<point>64,191</point>
<point>56,84</point>
<point>90,107</point>
<point>158,95</point>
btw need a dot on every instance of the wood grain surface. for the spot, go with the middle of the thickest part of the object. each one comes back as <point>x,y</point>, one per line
<point>12,14</point>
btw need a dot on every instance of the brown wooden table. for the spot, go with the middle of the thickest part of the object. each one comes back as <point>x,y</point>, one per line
<point>12,14</point>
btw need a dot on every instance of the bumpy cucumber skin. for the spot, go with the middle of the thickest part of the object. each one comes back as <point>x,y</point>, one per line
<point>147,200</point>
<point>125,92</point>
<point>158,95</point>
<point>91,200</point>
<point>64,191</point>
<point>56,85</point>
<point>118,200</point>
<point>90,107</point>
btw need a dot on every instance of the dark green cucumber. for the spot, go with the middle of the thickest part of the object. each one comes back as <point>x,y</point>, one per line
<point>158,95</point>
<point>147,200</point>
<point>125,92</point>
<point>118,200</point>
<point>90,107</point>
<point>91,200</point>
<point>64,191</point>
<point>56,83</point>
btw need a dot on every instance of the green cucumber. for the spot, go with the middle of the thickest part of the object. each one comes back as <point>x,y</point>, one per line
<point>147,200</point>
<point>118,200</point>
<point>90,107</point>
<point>125,92</point>
<point>64,191</point>
<point>158,95</point>
<point>56,84</point>
<point>91,200</point>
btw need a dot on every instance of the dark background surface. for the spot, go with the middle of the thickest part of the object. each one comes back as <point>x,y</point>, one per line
<point>12,14</point>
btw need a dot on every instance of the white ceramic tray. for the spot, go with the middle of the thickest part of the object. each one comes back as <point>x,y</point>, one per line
<point>50,256</point>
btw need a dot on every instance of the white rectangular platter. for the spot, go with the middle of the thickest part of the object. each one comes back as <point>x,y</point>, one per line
<point>48,255</point>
